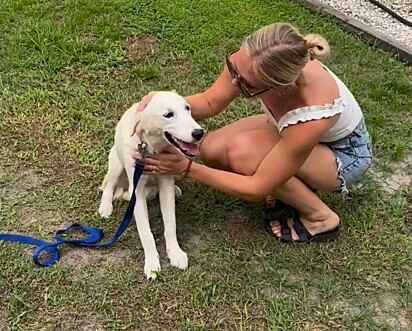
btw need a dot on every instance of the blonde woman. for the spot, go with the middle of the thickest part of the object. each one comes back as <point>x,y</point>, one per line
<point>312,135</point>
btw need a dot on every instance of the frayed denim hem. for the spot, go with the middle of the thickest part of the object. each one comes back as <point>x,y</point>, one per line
<point>344,191</point>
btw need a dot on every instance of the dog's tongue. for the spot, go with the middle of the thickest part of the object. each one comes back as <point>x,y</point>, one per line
<point>193,149</point>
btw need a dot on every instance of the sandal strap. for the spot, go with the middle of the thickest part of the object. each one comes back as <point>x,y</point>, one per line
<point>304,235</point>
<point>285,231</point>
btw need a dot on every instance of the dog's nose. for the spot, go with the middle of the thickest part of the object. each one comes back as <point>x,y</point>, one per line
<point>197,134</point>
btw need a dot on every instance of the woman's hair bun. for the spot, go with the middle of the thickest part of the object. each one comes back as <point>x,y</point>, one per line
<point>318,47</point>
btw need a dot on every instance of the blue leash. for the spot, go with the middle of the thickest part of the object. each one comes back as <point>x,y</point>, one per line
<point>94,234</point>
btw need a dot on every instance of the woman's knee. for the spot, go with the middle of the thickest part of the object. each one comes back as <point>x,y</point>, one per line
<point>246,150</point>
<point>243,154</point>
<point>212,149</point>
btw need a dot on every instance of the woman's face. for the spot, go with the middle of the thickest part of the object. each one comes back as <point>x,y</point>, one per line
<point>240,67</point>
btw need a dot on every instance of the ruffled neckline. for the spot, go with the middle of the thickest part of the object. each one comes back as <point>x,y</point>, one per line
<point>313,112</point>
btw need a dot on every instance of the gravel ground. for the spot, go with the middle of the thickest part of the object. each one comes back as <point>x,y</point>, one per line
<point>401,7</point>
<point>373,16</point>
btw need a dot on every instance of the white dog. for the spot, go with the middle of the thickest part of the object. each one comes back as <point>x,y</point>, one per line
<point>165,120</point>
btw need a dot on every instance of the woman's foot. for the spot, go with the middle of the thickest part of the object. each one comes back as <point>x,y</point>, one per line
<point>316,226</point>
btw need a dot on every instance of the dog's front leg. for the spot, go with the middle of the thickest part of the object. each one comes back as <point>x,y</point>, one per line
<point>177,256</point>
<point>109,184</point>
<point>151,263</point>
<point>151,256</point>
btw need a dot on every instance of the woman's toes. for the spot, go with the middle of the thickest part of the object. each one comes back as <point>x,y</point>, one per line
<point>275,226</point>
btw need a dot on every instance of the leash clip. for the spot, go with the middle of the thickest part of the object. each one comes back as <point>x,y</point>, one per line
<point>142,148</point>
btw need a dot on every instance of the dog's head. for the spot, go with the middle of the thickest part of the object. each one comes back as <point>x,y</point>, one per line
<point>167,118</point>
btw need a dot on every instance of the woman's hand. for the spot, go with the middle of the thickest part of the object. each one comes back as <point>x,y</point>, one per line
<point>169,162</point>
<point>145,100</point>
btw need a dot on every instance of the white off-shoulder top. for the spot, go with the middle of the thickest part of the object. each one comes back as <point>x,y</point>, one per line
<point>345,104</point>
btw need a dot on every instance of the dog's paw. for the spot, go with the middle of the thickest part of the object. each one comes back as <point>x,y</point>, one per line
<point>178,258</point>
<point>126,195</point>
<point>152,268</point>
<point>105,209</point>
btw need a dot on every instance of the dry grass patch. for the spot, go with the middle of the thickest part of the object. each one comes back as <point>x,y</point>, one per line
<point>140,46</point>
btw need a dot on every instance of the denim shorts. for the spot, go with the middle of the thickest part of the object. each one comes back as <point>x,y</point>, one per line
<point>353,155</point>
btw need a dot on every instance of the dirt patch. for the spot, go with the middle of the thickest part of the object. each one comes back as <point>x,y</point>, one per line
<point>241,229</point>
<point>60,17</point>
<point>401,178</point>
<point>87,36</point>
<point>140,46</point>
<point>398,180</point>
<point>29,177</point>
<point>43,148</point>
<point>2,321</point>
<point>76,257</point>
<point>92,323</point>
<point>35,214</point>
<point>270,291</point>
<point>389,310</point>
<point>180,64</point>
<point>314,296</point>
<point>19,186</point>
<point>55,318</point>
<point>293,277</point>
<point>21,190</point>
<point>346,307</point>
<point>196,240</point>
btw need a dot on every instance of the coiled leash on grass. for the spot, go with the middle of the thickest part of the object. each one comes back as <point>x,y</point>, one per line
<point>94,234</point>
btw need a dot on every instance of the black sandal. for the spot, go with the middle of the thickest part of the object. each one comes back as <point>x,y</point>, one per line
<point>302,232</point>
<point>277,210</point>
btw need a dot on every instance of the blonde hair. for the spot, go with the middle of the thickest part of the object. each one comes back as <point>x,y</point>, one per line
<point>279,53</point>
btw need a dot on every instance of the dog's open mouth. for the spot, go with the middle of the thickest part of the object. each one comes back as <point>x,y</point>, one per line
<point>187,149</point>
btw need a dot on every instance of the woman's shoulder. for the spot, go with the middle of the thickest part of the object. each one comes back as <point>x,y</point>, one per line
<point>321,94</point>
<point>320,87</point>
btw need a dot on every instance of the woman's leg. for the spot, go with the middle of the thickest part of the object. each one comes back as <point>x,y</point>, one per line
<point>241,148</point>
<point>214,146</point>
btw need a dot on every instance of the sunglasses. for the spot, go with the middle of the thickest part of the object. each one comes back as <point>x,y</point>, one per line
<point>244,87</point>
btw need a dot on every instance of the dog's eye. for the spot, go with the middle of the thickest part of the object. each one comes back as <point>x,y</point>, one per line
<point>169,114</point>
<point>187,107</point>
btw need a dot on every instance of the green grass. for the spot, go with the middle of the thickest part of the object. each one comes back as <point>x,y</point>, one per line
<point>69,69</point>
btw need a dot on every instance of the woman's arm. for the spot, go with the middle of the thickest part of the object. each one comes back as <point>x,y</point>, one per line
<point>208,103</point>
<point>215,99</point>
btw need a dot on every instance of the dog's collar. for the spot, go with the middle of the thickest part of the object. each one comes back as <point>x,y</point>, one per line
<point>142,148</point>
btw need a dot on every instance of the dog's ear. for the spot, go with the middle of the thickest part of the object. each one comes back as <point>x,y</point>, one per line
<point>136,129</point>
<point>174,91</point>
<point>146,126</point>
<point>138,115</point>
